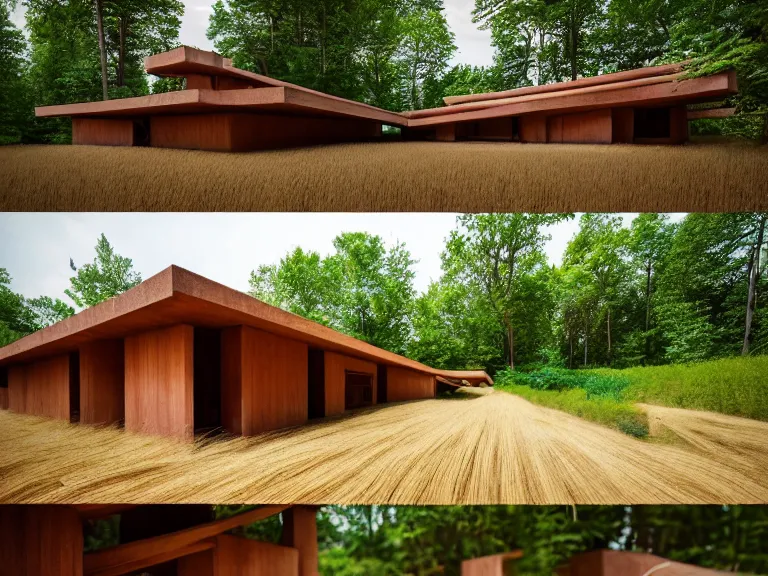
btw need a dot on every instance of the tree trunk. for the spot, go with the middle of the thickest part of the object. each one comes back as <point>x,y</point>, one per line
<point>122,29</point>
<point>511,336</point>
<point>574,47</point>
<point>102,50</point>
<point>325,32</point>
<point>753,270</point>
<point>648,270</point>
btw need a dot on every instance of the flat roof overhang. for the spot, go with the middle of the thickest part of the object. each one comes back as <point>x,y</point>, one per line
<point>278,100</point>
<point>654,91</point>
<point>178,296</point>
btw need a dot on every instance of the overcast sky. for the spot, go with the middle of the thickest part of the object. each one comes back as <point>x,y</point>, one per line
<point>36,248</point>
<point>474,46</point>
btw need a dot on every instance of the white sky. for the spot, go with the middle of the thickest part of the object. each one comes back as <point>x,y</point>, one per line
<point>225,247</point>
<point>474,46</point>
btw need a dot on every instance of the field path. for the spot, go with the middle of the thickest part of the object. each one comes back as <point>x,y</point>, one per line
<point>490,449</point>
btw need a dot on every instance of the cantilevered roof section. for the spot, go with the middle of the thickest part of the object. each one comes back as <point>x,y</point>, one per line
<point>177,296</point>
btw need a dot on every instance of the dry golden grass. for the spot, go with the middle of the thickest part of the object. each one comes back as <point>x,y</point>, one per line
<point>491,449</point>
<point>392,176</point>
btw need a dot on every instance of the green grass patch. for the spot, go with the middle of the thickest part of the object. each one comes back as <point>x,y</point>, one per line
<point>736,386</point>
<point>622,416</point>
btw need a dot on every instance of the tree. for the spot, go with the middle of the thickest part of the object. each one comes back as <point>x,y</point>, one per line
<point>109,275</point>
<point>13,89</point>
<point>500,254</point>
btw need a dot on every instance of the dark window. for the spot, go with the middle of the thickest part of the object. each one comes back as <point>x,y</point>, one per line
<point>141,132</point>
<point>652,122</point>
<point>207,379</point>
<point>358,390</point>
<point>3,377</point>
<point>381,384</point>
<point>316,383</point>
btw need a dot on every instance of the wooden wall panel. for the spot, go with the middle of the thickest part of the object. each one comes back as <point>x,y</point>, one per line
<point>102,132</point>
<point>198,564</point>
<point>533,128</point>
<point>193,132</point>
<point>4,398</point>
<point>495,129</point>
<point>335,366</point>
<point>41,388</point>
<point>678,125</point>
<point>40,541</point>
<point>445,132</point>
<point>102,382</point>
<point>485,566</point>
<point>593,127</point>
<point>405,384</point>
<point>623,125</point>
<point>159,382</point>
<point>300,532</point>
<point>236,556</point>
<point>264,380</point>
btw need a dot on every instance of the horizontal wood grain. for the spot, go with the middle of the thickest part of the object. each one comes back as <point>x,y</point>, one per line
<point>159,382</point>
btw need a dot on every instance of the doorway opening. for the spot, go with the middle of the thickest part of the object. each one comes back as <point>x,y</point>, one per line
<point>358,389</point>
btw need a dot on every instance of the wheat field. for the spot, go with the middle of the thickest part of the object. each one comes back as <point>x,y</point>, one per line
<point>389,176</point>
<point>489,449</point>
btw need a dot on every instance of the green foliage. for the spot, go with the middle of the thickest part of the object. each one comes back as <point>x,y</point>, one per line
<point>365,289</point>
<point>602,385</point>
<point>737,386</point>
<point>13,88</point>
<point>109,275</point>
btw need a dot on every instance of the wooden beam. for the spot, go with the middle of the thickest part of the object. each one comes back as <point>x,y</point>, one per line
<point>130,567</point>
<point>97,511</point>
<point>711,113</point>
<point>129,554</point>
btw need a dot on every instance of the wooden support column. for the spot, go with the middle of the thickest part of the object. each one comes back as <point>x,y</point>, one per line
<point>102,382</point>
<point>159,382</point>
<point>40,541</point>
<point>41,388</point>
<point>300,532</point>
<point>264,381</point>
<point>623,125</point>
<point>678,125</point>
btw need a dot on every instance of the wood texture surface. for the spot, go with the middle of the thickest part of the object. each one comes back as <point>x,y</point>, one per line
<point>102,382</point>
<point>235,556</point>
<point>300,532</point>
<point>198,564</point>
<point>41,388</point>
<point>196,567</point>
<point>404,384</point>
<point>159,382</point>
<point>150,548</point>
<point>335,367</point>
<point>264,381</point>
<point>612,562</point>
<point>4,398</point>
<point>593,127</point>
<point>622,125</point>
<point>102,132</point>
<point>40,541</point>
<point>489,565</point>
<point>445,132</point>
<point>533,128</point>
<point>711,113</point>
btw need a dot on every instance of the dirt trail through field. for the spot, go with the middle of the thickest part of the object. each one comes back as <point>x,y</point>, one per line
<point>491,449</point>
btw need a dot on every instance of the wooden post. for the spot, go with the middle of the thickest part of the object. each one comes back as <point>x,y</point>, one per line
<point>159,382</point>
<point>41,388</point>
<point>300,532</point>
<point>102,382</point>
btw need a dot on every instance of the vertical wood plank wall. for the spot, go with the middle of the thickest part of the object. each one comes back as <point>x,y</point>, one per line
<point>445,132</point>
<point>593,127</point>
<point>623,125</point>
<point>236,556</point>
<point>40,541</point>
<point>335,366</point>
<point>198,564</point>
<point>102,132</point>
<point>102,382</point>
<point>533,128</point>
<point>159,382</point>
<point>300,532</point>
<point>41,388</point>
<point>404,384</point>
<point>263,381</point>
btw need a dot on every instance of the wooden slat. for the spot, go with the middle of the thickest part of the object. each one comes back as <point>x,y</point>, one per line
<point>646,72</point>
<point>134,552</point>
<point>130,567</point>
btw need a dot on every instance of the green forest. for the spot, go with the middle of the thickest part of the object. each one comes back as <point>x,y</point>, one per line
<point>395,54</point>
<point>654,309</point>
<point>426,541</point>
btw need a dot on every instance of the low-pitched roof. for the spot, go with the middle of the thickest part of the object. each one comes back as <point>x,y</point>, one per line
<point>176,296</point>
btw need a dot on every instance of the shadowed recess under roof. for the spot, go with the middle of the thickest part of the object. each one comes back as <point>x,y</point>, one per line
<point>403,177</point>
<point>494,449</point>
